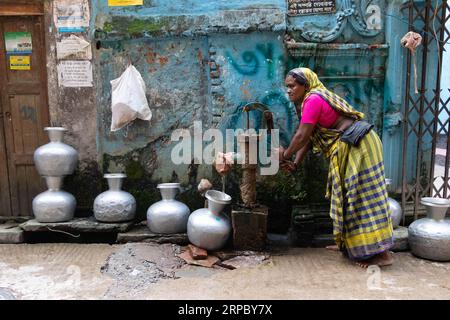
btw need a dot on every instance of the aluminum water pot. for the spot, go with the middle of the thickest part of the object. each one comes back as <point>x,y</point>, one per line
<point>114,205</point>
<point>168,215</point>
<point>209,228</point>
<point>395,208</point>
<point>55,158</point>
<point>396,212</point>
<point>429,237</point>
<point>54,205</point>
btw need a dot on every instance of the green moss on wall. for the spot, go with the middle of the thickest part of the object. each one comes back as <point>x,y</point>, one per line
<point>108,27</point>
<point>85,184</point>
<point>128,27</point>
<point>134,170</point>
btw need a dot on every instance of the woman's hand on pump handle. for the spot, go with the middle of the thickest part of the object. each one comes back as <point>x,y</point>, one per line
<point>287,166</point>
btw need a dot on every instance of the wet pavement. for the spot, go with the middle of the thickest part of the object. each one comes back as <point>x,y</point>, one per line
<point>154,271</point>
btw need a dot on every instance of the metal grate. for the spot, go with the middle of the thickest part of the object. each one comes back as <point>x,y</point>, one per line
<point>426,142</point>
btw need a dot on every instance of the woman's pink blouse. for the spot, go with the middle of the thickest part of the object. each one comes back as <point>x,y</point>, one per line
<point>317,110</point>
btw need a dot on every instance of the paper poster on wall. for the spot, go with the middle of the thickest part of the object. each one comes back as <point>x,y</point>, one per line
<point>73,47</point>
<point>18,42</point>
<point>71,15</point>
<point>19,63</point>
<point>73,73</point>
<point>114,3</point>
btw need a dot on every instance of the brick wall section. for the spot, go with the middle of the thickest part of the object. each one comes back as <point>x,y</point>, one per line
<point>217,91</point>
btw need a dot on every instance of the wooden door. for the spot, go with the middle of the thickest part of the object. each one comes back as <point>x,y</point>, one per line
<point>23,115</point>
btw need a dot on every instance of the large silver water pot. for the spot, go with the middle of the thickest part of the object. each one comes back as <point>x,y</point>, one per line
<point>429,237</point>
<point>114,205</point>
<point>209,228</point>
<point>55,158</point>
<point>54,205</point>
<point>168,215</point>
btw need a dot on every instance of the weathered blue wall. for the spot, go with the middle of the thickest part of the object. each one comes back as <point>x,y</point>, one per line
<point>250,67</point>
<point>394,94</point>
<point>200,61</point>
<point>203,60</point>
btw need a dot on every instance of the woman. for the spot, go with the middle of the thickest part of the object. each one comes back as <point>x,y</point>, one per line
<point>356,185</point>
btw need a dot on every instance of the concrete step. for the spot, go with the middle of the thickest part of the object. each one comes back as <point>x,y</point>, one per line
<point>10,233</point>
<point>77,225</point>
<point>141,233</point>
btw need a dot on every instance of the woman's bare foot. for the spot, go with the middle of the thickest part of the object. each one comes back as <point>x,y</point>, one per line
<point>382,259</point>
<point>332,248</point>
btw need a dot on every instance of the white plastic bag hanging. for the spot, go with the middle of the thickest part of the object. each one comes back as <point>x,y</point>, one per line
<point>128,100</point>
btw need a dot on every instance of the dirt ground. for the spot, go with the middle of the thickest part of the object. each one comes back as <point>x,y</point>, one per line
<point>148,271</point>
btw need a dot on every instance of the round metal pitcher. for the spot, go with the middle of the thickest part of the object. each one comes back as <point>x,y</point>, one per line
<point>114,205</point>
<point>54,205</point>
<point>168,215</point>
<point>395,208</point>
<point>429,237</point>
<point>55,158</point>
<point>208,228</point>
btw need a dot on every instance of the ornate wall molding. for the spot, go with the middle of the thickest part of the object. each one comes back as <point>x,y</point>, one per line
<point>364,16</point>
<point>302,49</point>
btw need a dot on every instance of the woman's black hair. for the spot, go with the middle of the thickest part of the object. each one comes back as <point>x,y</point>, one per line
<point>299,77</point>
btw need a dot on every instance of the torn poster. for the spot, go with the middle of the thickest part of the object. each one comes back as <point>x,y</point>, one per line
<point>73,73</point>
<point>71,15</point>
<point>73,47</point>
<point>18,43</point>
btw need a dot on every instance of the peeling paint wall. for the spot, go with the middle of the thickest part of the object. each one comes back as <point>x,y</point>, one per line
<point>184,52</point>
<point>202,61</point>
<point>176,77</point>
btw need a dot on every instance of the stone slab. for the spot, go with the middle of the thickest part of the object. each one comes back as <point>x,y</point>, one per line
<point>274,239</point>
<point>249,228</point>
<point>400,239</point>
<point>243,261</point>
<point>230,254</point>
<point>323,240</point>
<point>11,233</point>
<point>142,233</point>
<point>80,225</point>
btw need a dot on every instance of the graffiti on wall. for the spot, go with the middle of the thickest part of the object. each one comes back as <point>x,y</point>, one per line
<point>251,63</point>
<point>260,74</point>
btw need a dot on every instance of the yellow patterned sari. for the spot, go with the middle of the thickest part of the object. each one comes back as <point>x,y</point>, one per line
<point>356,184</point>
